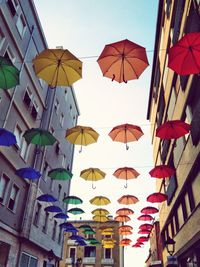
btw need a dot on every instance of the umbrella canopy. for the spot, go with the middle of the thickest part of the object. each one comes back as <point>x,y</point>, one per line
<point>106,232</point>
<point>125,211</point>
<point>47,198</point>
<point>100,201</point>
<point>61,216</point>
<point>98,218</point>
<point>89,232</point>
<point>149,210</point>
<point>76,211</point>
<point>127,232</point>
<point>70,229</point>
<point>126,173</point>
<point>123,61</point>
<point>58,67</point>
<point>173,129</point>
<point>128,199</point>
<point>92,174</point>
<point>66,224</point>
<point>145,217</point>
<point>28,173</point>
<point>125,242</point>
<point>108,245</point>
<point>126,133</point>
<point>85,227</point>
<point>125,228</point>
<point>144,232</point>
<point>143,239</point>
<point>7,138</point>
<point>77,237</point>
<point>72,200</point>
<point>157,198</point>
<point>53,209</point>
<point>100,212</point>
<point>146,226</point>
<point>60,174</point>
<point>39,137</point>
<point>162,171</point>
<point>184,56</point>
<point>82,135</point>
<point>122,218</point>
<point>9,74</point>
<point>136,246</point>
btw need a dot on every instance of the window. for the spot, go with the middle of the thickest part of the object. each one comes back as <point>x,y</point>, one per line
<point>184,210</point>
<point>2,38</point>
<point>191,198</point>
<point>59,190</point>
<point>12,6</point>
<point>89,251</point>
<point>52,184</point>
<point>27,260</point>
<point>34,110</point>
<point>13,198</point>
<point>108,253</point>
<point>45,170</point>
<point>24,149</point>
<point>161,108</point>
<point>45,226</point>
<point>18,135</point>
<point>4,248</point>
<point>57,104</point>
<point>60,235</point>
<point>54,230</point>
<point>37,214</point>
<point>176,221</point>
<point>72,252</point>
<point>9,54</point>
<point>62,119</point>
<point>172,102</point>
<point>66,95</point>
<point>63,161</point>
<point>21,25</point>
<point>4,181</point>
<point>27,97</point>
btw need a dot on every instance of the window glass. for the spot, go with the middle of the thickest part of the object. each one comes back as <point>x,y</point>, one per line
<point>37,214</point>
<point>4,180</point>
<point>18,135</point>
<point>24,149</point>
<point>21,25</point>
<point>13,198</point>
<point>108,253</point>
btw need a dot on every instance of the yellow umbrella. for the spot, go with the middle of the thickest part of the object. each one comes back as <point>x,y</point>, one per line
<point>107,232</point>
<point>81,135</point>
<point>100,212</point>
<point>98,218</point>
<point>107,229</point>
<point>58,67</point>
<point>92,174</point>
<point>108,246</point>
<point>100,201</point>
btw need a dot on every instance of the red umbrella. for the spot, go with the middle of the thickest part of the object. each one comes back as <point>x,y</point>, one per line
<point>173,129</point>
<point>128,199</point>
<point>162,171</point>
<point>157,198</point>
<point>125,228</point>
<point>126,173</point>
<point>126,133</point>
<point>149,210</point>
<point>123,61</point>
<point>143,239</point>
<point>122,218</point>
<point>144,232</point>
<point>184,56</point>
<point>146,226</point>
<point>125,211</point>
<point>145,217</point>
<point>125,241</point>
<point>136,246</point>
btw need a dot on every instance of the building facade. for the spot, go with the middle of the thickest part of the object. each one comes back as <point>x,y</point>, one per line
<point>91,255</point>
<point>28,235</point>
<point>174,97</point>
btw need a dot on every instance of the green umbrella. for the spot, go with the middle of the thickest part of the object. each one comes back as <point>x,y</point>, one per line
<point>89,232</point>
<point>76,211</point>
<point>93,241</point>
<point>85,227</point>
<point>72,200</point>
<point>9,74</point>
<point>39,137</point>
<point>60,174</point>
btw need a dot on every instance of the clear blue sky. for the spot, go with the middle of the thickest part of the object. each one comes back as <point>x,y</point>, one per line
<point>84,27</point>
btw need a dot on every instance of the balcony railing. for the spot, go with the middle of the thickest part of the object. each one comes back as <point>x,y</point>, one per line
<point>90,260</point>
<point>107,261</point>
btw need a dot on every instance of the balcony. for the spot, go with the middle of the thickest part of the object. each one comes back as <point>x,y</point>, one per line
<point>107,261</point>
<point>89,260</point>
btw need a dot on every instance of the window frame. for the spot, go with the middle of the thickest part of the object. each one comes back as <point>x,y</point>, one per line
<point>22,19</point>
<point>15,199</point>
<point>5,190</point>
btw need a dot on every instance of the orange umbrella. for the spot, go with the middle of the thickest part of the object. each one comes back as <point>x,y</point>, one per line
<point>123,61</point>
<point>125,232</point>
<point>128,199</point>
<point>125,211</point>
<point>126,133</point>
<point>125,228</point>
<point>125,242</point>
<point>122,218</point>
<point>126,173</point>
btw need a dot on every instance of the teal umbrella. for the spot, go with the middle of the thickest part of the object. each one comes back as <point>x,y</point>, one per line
<point>9,74</point>
<point>39,137</point>
<point>72,200</point>
<point>76,211</point>
<point>89,232</point>
<point>60,174</point>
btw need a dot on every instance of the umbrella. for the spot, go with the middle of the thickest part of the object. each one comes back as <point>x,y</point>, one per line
<point>106,232</point>
<point>149,210</point>
<point>136,246</point>
<point>92,174</point>
<point>72,200</point>
<point>76,211</point>
<point>125,228</point>
<point>81,243</point>
<point>145,217</point>
<point>108,246</point>
<point>85,226</point>
<point>100,201</point>
<point>47,198</point>
<point>128,199</point>
<point>157,198</point>
<point>60,174</point>
<point>126,133</point>
<point>39,137</point>
<point>125,242</point>
<point>81,135</point>
<point>173,129</point>
<point>71,229</point>
<point>89,232</point>
<point>53,209</point>
<point>77,237</point>
<point>123,61</point>
<point>61,216</point>
<point>28,173</point>
<point>100,212</point>
<point>7,138</point>
<point>58,67</point>
<point>143,239</point>
<point>98,218</point>
<point>122,218</point>
<point>125,211</point>
<point>146,226</point>
<point>126,173</point>
<point>184,56</point>
<point>144,232</point>
<point>127,232</point>
<point>9,74</point>
<point>162,171</point>
<point>66,224</point>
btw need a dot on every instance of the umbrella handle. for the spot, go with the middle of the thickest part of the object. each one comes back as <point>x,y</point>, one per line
<point>80,149</point>
<point>127,147</point>
<point>93,187</point>
<point>126,185</point>
<point>113,77</point>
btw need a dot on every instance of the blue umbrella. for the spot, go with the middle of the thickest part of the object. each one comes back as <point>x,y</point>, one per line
<point>61,216</point>
<point>77,237</point>
<point>66,224</point>
<point>53,209</point>
<point>47,198</point>
<point>81,243</point>
<point>7,138</point>
<point>71,229</point>
<point>28,173</point>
